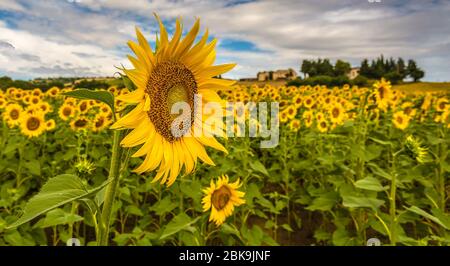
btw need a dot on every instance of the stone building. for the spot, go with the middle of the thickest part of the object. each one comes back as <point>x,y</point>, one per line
<point>353,73</point>
<point>282,74</point>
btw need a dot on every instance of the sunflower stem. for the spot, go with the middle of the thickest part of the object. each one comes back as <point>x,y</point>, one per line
<point>110,191</point>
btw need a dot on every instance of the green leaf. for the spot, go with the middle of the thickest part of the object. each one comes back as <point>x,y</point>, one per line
<point>180,222</point>
<point>382,142</point>
<point>341,237</point>
<point>425,214</point>
<point>14,238</point>
<point>287,227</point>
<point>370,183</point>
<point>33,166</point>
<point>58,191</point>
<point>358,202</point>
<point>13,144</point>
<point>253,236</point>
<point>128,83</point>
<point>57,217</point>
<point>442,216</point>
<point>324,202</point>
<point>132,209</point>
<point>103,96</point>
<point>164,206</point>
<point>267,204</point>
<point>372,152</point>
<point>192,189</point>
<point>380,172</point>
<point>230,230</point>
<point>259,167</point>
<point>321,235</point>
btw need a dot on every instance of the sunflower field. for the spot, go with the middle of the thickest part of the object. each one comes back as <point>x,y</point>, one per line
<point>102,166</point>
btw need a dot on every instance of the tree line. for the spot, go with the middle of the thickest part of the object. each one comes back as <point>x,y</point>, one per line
<point>324,72</point>
<point>45,84</point>
<point>391,69</point>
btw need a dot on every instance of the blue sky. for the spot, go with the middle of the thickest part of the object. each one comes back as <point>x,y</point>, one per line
<point>88,37</point>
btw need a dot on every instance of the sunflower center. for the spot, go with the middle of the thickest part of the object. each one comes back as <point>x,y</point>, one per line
<point>67,111</point>
<point>33,123</point>
<point>408,110</point>
<point>400,119</point>
<point>80,123</point>
<point>221,197</point>
<point>14,114</point>
<point>335,112</point>
<point>83,106</point>
<point>99,122</point>
<point>381,91</point>
<point>170,83</point>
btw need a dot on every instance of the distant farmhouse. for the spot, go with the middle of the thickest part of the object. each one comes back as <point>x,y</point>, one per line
<point>282,74</point>
<point>353,73</point>
<point>290,74</point>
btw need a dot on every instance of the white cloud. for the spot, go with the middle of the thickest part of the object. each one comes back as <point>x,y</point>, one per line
<point>39,56</point>
<point>11,5</point>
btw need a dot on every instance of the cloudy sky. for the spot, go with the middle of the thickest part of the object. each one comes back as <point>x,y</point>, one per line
<point>88,37</point>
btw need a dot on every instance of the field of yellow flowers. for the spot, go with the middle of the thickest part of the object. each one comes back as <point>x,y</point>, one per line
<point>351,164</point>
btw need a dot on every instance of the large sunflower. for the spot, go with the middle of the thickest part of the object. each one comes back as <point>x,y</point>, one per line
<point>32,124</point>
<point>101,121</point>
<point>12,114</point>
<point>50,125</point>
<point>174,73</point>
<point>337,113</point>
<point>80,123</point>
<point>221,197</point>
<point>400,120</point>
<point>66,111</point>
<point>323,125</point>
<point>382,93</point>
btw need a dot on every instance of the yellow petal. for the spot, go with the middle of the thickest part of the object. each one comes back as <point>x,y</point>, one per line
<point>197,48</point>
<point>135,96</point>
<point>163,33</point>
<point>138,78</point>
<point>186,43</point>
<point>132,119</point>
<point>213,143</point>
<point>137,136</point>
<point>213,71</point>
<point>196,59</point>
<point>141,55</point>
<point>146,46</point>
<point>176,38</point>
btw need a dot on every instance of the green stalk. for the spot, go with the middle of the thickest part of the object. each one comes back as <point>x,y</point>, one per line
<point>110,191</point>
<point>392,202</point>
<point>72,211</point>
<point>441,178</point>
<point>392,210</point>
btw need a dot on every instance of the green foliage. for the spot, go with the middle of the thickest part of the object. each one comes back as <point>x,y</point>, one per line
<point>91,84</point>
<point>102,96</point>
<point>329,81</point>
<point>394,70</point>
<point>43,84</point>
<point>56,192</point>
